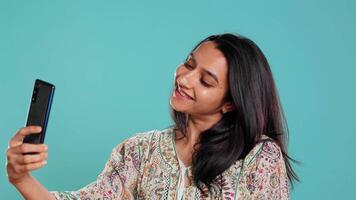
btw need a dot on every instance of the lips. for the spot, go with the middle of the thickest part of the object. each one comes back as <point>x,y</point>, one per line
<point>183,93</point>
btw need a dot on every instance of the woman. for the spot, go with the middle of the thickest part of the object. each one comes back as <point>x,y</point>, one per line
<point>228,140</point>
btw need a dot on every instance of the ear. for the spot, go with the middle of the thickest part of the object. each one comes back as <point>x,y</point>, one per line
<point>227,107</point>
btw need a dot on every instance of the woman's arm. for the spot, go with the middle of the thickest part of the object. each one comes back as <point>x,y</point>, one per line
<point>118,179</point>
<point>31,189</point>
<point>19,164</point>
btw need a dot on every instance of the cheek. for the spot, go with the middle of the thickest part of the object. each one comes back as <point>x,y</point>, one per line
<point>210,96</point>
<point>205,92</point>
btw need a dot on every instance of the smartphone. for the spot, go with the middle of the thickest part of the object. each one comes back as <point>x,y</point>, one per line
<point>39,109</point>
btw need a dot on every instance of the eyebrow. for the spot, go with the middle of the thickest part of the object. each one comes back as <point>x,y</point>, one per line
<point>206,71</point>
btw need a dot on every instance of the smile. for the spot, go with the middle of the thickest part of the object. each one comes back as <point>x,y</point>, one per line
<point>180,93</point>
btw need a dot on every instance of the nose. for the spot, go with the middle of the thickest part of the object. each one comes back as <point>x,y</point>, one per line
<point>186,80</point>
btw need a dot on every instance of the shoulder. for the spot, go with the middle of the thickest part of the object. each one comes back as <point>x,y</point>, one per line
<point>271,150</point>
<point>141,141</point>
<point>149,136</point>
<point>267,150</point>
<point>265,161</point>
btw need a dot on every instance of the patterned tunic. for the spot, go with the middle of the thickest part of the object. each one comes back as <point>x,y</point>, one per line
<point>146,166</point>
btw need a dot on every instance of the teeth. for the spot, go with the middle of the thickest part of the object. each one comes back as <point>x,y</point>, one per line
<point>181,92</point>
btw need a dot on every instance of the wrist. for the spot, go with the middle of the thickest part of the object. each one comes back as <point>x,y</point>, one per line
<point>20,181</point>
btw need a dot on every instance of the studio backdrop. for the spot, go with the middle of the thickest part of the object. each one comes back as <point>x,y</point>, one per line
<point>113,64</point>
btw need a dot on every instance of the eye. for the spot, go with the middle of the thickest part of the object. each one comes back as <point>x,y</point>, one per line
<point>187,65</point>
<point>205,83</point>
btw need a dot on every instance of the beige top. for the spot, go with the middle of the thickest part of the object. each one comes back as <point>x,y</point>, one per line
<point>146,166</point>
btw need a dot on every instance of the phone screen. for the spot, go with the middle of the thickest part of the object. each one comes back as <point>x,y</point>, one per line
<point>39,109</point>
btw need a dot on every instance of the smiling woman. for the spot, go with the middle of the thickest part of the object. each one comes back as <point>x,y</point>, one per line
<point>236,107</point>
<point>228,140</point>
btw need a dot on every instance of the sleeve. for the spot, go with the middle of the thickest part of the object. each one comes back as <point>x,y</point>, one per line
<point>267,176</point>
<point>118,180</point>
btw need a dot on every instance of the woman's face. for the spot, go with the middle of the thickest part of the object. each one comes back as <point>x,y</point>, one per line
<point>201,82</point>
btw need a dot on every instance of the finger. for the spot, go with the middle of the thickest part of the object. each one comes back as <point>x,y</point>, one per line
<point>29,167</point>
<point>31,158</point>
<point>29,148</point>
<point>18,138</point>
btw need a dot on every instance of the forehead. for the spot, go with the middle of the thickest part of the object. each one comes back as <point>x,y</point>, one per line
<point>207,56</point>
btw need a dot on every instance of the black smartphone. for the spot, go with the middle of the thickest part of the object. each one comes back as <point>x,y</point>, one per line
<point>39,109</point>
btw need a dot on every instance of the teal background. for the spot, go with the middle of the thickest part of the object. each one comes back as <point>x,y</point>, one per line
<point>113,65</point>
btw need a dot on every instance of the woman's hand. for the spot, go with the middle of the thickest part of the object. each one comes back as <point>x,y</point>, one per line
<point>19,164</point>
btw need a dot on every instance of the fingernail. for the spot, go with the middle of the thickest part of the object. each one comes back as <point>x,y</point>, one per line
<point>45,147</point>
<point>44,162</point>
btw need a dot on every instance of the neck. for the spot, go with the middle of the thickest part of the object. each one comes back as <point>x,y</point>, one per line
<point>198,124</point>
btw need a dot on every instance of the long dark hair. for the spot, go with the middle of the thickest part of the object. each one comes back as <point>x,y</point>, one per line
<point>258,111</point>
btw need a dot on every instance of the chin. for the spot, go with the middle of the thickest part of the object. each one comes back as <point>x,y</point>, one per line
<point>179,108</point>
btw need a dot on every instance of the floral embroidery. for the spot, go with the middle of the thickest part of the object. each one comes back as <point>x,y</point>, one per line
<point>146,166</point>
